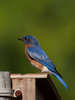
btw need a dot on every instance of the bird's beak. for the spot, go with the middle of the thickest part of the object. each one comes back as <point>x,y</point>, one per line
<point>22,39</point>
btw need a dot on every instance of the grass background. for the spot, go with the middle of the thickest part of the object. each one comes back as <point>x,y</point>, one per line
<point>53,23</point>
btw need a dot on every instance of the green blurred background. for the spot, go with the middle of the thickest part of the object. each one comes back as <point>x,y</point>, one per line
<point>53,23</point>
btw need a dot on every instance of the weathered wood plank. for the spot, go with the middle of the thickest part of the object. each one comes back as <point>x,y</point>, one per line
<point>35,86</point>
<point>26,86</point>
<point>5,86</point>
<point>40,75</point>
<point>29,89</point>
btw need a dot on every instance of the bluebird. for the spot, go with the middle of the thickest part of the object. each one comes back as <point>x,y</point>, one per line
<point>38,58</point>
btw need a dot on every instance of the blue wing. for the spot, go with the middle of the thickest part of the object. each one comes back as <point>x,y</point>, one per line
<point>40,56</point>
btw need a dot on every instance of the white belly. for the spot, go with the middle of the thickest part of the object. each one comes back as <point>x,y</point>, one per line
<point>44,68</point>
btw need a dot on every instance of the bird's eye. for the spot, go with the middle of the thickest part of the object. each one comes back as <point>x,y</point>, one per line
<point>25,38</point>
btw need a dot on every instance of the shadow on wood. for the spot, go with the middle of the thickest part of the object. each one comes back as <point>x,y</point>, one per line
<point>35,87</point>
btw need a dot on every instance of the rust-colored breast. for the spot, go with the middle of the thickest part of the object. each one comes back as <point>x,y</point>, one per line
<point>33,62</point>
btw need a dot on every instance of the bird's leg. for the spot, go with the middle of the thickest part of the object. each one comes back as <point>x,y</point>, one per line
<point>44,72</point>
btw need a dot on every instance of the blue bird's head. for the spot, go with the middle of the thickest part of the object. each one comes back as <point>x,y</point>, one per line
<point>29,39</point>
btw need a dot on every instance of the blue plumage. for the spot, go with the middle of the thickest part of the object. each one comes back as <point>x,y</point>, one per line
<point>60,79</point>
<point>38,54</point>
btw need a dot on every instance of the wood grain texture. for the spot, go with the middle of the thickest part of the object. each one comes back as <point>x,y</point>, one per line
<point>26,86</point>
<point>5,86</point>
<point>35,86</point>
<point>39,75</point>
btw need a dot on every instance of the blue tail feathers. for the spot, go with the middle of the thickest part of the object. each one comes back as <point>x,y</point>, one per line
<point>60,79</point>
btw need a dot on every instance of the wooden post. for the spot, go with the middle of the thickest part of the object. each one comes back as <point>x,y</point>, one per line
<point>24,86</point>
<point>5,86</point>
<point>34,87</point>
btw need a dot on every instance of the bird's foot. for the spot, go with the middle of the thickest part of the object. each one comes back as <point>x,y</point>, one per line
<point>44,72</point>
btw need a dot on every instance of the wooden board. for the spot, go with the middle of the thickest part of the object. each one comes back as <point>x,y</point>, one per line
<point>35,86</point>
<point>40,75</point>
